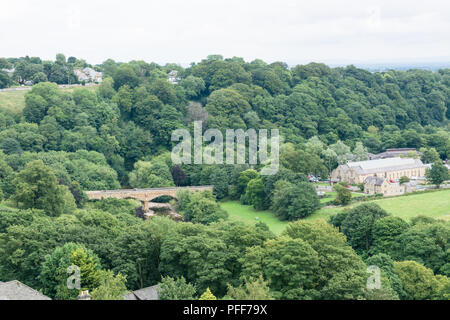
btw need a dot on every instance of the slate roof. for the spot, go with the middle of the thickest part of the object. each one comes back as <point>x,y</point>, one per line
<point>391,153</point>
<point>88,74</point>
<point>383,165</point>
<point>16,290</point>
<point>149,293</point>
<point>375,180</point>
<point>410,184</point>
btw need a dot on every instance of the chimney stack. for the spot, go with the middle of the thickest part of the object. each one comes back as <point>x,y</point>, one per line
<point>84,295</point>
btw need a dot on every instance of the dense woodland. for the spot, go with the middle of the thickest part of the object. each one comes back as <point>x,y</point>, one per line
<point>118,135</point>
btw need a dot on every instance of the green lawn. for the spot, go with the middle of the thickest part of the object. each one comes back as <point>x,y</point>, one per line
<point>322,184</point>
<point>329,196</point>
<point>15,100</point>
<point>433,204</point>
<point>12,100</point>
<point>332,194</point>
<point>239,212</point>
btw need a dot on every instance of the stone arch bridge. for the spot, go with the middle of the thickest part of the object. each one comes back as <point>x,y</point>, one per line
<point>143,195</point>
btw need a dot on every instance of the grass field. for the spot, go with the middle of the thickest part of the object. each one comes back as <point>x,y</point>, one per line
<point>332,194</point>
<point>322,184</point>
<point>239,212</point>
<point>15,100</point>
<point>432,204</point>
<point>12,100</point>
<point>328,196</point>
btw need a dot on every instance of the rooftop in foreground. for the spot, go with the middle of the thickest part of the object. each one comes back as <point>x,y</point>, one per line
<point>16,290</point>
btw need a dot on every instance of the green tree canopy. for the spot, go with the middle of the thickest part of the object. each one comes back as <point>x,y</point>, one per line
<point>176,289</point>
<point>54,272</point>
<point>36,187</point>
<point>438,173</point>
<point>358,226</point>
<point>289,265</point>
<point>418,281</point>
<point>294,201</point>
<point>341,273</point>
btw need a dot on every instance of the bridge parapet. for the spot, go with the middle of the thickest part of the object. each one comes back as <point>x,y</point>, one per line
<point>143,195</point>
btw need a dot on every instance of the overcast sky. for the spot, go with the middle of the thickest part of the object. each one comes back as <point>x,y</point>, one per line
<point>183,31</point>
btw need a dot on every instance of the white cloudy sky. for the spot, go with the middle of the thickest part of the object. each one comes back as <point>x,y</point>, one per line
<point>183,31</point>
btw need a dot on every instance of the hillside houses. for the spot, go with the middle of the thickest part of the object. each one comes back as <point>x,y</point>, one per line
<point>88,75</point>
<point>375,185</point>
<point>389,188</point>
<point>173,77</point>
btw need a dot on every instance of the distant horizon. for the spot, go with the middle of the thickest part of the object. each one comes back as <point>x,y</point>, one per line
<point>432,63</point>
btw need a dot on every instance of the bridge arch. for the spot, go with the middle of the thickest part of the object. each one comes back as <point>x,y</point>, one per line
<point>143,195</point>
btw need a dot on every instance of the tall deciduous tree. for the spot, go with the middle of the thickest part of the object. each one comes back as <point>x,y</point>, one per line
<point>255,193</point>
<point>175,289</point>
<point>54,271</point>
<point>125,75</point>
<point>198,255</point>
<point>135,254</point>
<point>294,201</point>
<point>37,187</point>
<point>343,195</point>
<point>256,289</point>
<point>360,152</point>
<point>151,174</point>
<point>202,208</point>
<point>385,233</point>
<point>437,174</point>
<point>426,243</point>
<point>178,175</point>
<point>429,155</point>
<point>418,281</point>
<point>341,273</point>
<point>39,100</point>
<point>289,265</point>
<point>358,226</point>
<point>110,287</point>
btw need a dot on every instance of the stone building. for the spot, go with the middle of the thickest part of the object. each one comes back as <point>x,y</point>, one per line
<point>376,185</point>
<point>88,75</point>
<point>394,153</point>
<point>173,77</point>
<point>412,186</point>
<point>390,169</point>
